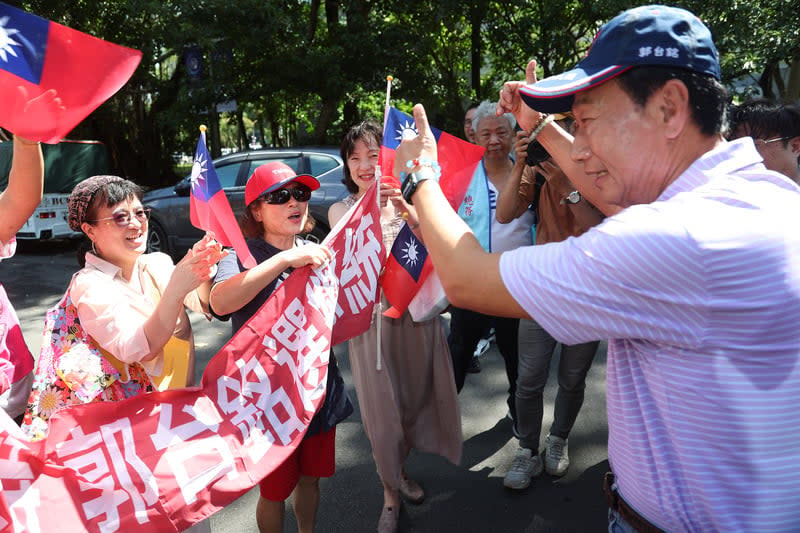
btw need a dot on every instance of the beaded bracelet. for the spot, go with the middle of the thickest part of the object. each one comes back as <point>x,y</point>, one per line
<point>542,117</point>
<point>547,119</point>
<point>425,162</point>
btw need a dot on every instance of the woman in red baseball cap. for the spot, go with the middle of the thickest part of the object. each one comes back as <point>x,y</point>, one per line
<point>277,211</point>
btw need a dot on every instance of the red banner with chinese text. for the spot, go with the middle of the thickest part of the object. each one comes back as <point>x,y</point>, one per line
<point>166,460</point>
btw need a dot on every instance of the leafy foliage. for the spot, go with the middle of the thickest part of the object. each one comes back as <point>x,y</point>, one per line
<point>303,71</point>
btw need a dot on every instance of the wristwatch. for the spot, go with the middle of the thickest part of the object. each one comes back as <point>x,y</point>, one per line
<point>572,198</point>
<point>412,181</point>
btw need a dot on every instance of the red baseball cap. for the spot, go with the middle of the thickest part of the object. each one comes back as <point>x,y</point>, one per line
<point>271,177</point>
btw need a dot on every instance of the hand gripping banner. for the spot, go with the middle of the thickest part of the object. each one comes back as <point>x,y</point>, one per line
<point>166,460</point>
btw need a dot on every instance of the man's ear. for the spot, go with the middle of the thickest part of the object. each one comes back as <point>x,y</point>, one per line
<point>673,101</point>
<point>794,145</point>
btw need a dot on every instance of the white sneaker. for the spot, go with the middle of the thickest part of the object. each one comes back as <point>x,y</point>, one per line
<point>556,455</point>
<point>482,347</point>
<point>524,467</point>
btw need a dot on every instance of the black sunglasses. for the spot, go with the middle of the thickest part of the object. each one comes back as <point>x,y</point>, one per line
<point>281,196</point>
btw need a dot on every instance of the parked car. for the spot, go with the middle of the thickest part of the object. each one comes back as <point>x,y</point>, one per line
<point>172,232</point>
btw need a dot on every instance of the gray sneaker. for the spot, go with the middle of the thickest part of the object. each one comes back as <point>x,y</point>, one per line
<point>524,467</point>
<point>556,455</point>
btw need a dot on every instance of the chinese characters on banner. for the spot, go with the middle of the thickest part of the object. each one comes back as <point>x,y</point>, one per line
<point>166,460</point>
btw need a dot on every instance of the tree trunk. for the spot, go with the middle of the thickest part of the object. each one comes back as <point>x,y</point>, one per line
<point>312,23</point>
<point>476,18</point>
<point>793,85</point>
<point>214,148</point>
<point>243,141</point>
<point>765,81</point>
<point>325,119</point>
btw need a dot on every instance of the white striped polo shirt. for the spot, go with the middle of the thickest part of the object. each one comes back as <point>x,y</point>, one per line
<point>699,294</point>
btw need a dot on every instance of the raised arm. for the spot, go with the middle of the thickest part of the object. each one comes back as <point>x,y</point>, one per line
<point>195,269</point>
<point>119,325</point>
<point>517,194</point>
<point>469,275</point>
<point>553,137</point>
<point>25,185</point>
<point>586,214</point>
<point>235,292</point>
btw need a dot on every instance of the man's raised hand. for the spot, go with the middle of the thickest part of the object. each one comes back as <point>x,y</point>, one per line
<point>423,146</point>
<point>511,102</point>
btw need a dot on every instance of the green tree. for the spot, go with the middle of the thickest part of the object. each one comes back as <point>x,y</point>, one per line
<point>757,37</point>
<point>303,71</point>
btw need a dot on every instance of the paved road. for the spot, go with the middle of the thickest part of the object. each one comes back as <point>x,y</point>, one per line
<point>466,498</point>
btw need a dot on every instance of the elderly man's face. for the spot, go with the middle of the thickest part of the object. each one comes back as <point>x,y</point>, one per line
<point>494,134</point>
<point>621,145</point>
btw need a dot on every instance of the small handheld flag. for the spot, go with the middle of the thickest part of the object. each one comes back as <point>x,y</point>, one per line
<point>406,269</point>
<point>209,208</point>
<point>77,71</point>
<point>457,159</point>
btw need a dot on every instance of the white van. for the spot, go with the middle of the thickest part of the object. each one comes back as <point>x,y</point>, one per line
<point>65,165</point>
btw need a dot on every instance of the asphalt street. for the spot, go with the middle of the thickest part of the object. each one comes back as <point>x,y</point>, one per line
<point>468,497</point>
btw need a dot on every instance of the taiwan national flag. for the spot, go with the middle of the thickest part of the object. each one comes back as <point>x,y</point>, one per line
<point>41,60</point>
<point>457,157</point>
<point>404,273</point>
<point>209,208</point>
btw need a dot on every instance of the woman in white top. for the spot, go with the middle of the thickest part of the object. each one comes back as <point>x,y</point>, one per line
<point>411,401</point>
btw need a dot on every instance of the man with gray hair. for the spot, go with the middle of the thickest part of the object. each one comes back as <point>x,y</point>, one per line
<point>496,135</point>
<point>694,277</point>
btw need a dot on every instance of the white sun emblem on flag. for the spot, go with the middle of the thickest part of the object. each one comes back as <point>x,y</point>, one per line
<point>198,168</point>
<point>411,253</point>
<point>406,131</point>
<point>6,41</point>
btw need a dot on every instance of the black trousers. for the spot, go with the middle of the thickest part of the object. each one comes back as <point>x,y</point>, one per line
<point>467,328</point>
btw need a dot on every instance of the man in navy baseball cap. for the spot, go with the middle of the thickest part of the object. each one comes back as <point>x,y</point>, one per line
<point>693,278</point>
<point>647,35</point>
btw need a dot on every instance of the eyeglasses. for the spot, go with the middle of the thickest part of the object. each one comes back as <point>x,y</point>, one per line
<point>281,196</point>
<point>764,142</point>
<point>123,218</point>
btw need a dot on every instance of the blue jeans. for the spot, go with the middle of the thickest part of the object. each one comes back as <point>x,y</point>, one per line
<point>536,348</point>
<point>617,524</point>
